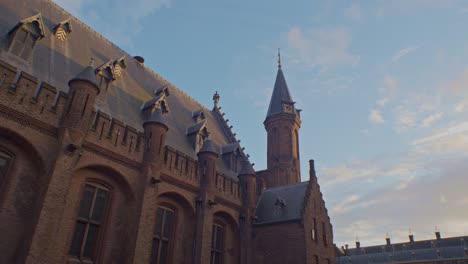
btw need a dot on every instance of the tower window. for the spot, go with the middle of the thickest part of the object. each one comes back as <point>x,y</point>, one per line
<point>163,234</point>
<point>90,222</point>
<point>5,161</point>
<point>24,36</point>
<point>217,244</point>
<point>325,241</point>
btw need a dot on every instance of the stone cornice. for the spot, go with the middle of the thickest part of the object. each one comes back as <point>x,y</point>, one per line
<point>28,121</point>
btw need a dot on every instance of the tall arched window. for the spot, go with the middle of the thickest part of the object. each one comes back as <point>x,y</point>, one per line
<point>5,162</point>
<point>90,221</point>
<point>163,236</point>
<point>217,243</point>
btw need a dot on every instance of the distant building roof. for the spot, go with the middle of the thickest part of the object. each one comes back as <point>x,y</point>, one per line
<point>434,249</point>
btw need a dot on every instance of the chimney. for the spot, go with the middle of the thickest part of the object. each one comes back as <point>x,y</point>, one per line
<point>411,238</point>
<point>312,174</point>
<point>388,241</point>
<point>358,244</point>
<point>437,234</point>
<point>346,247</point>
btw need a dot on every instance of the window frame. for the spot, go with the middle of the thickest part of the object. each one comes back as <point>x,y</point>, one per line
<point>14,42</point>
<point>170,240</point>
<point>10,157</point>
<point>213,250</point>
<point>103,225</point>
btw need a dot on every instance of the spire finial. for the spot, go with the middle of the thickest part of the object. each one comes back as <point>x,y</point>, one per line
<point>216,99</point>
<point>279,58</point>
<point>91,63</point>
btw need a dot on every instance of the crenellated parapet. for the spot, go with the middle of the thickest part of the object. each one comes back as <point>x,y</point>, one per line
<point>112,134</point>
<point>180,166</point>
<point>23,94</point>
<point>227,186</point>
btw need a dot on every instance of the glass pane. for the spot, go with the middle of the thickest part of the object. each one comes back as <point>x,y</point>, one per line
<point>213,237</point>
<point>28,47</point>
<point>159,221</point>
<point>86,201</point>
<point>220,238</point>
<point>16,47</point>
<point>90,241</point>
<point>217,258</point>
<point>99,205</point>
<point>163,253</point>
<point>77,239</point>
<point>154,251</point>
<point>21,35</point>
<point>168,221</point>
<point>3,162</point>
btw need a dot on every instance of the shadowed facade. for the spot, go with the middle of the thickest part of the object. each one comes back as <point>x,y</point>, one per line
<point>104,161</point>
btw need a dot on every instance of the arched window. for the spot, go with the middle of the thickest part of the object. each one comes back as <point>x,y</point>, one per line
<point>163,236</point>
<point>5,161</point>
<point>217,243</point>
<point>90,221</point>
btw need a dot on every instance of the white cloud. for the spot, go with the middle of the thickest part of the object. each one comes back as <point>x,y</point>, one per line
<point>428,121</point>
<point>403,52</point>
<point>321,48</point>
<point>375,116</point>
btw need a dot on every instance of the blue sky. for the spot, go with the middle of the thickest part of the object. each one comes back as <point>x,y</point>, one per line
<point>383,86</point>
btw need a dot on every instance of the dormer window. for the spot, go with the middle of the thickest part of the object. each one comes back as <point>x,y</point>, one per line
<point>25,35</point>
<point>288,107</point>
<point>119,65</point>
<point>198,116</point>
<point>62,30</point>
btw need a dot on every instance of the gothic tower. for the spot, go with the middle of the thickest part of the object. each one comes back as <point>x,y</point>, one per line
<point>282,124</point>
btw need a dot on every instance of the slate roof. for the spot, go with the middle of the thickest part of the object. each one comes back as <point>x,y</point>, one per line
<point>280,204</point>
<point>87,75</point>
<point>280,94</point>
<point>247,169</point>
<point>126,94</point>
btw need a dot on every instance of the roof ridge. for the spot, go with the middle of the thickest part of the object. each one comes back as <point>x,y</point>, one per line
<point>289,185</point>
<point>87,27</point>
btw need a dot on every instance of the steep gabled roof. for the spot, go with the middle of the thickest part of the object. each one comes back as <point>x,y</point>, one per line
<point>281,204</point>
<point>124,97</point>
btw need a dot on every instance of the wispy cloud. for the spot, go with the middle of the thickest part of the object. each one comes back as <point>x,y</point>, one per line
<point>429,120</point>
<point>375,116</point>
<point>403,52</point>
<point>321,48</point>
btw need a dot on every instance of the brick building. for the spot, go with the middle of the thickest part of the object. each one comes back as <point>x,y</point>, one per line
<point>107,162</point>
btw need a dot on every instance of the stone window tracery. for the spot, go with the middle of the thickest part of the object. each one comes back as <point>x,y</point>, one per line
<point>163,235</point>
<point>217,243</point>
<point>90,222</point>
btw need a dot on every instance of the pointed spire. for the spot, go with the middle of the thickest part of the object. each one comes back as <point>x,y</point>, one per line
<point>280,93</point>
<point>247,169</point>
<point>216,98</point>
<point>209,146</point>
<point>156,117</point>
<point>279,58</point>
<point>87,74</point>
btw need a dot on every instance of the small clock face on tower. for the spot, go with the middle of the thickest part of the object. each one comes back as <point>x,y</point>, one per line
<point>287,108</point>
